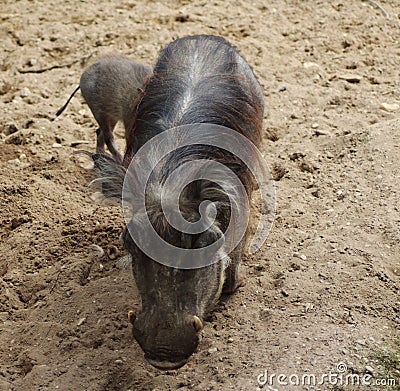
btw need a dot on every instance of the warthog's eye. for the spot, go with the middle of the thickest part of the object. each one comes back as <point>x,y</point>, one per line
<point>197,323</point>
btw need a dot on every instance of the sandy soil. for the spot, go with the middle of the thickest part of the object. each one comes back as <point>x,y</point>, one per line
<point>323,290</point>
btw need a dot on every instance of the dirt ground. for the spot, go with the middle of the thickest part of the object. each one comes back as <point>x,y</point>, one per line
<point>325,288</point>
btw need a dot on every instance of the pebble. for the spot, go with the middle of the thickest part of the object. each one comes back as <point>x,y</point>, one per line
<point>14,162</point>
<point>9,129</point>
<point>25,92</point>
<point>5,87</point>
<point>57,145</point>
<point>15,138</point>
<point>301,256</point>
<point>308,307</point>
<point>320,132</point>
<point>389,106</point>
<point>230,340</point>
<point>308,65</point>
<point>369,369</point>
<point>81,321</point>
<point>315,126</point>
<point>97,250</point>
<point>350,78</point>
<point>75,143</point>
<point>118,361</point>
<point>284,293</point>
<point>32,62</point>
<point>212,350</point>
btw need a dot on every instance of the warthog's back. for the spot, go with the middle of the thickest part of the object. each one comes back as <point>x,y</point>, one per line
<point>200,79</point>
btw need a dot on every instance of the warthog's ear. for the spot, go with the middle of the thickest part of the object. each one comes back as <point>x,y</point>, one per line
<point>109,174</point>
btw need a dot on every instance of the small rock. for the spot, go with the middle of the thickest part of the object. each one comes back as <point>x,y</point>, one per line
<point>320,132</point>
<point>212,350</point>
<point>56,145</point>
<point>5,87</point>
<point>25,92</point>
<point>16,138</point>
<point>32,62</point>
<point>96,250</point>
<point>118,361</point>
<point>350,78</point>
<point>301,256</point>
<point>361,342</point>
<point>230,340</point>
<point>14,162</point>
<point>75,143</point>
<point>9,129</point>
<point>284,293</point>
<point>22,156</point>
<point>315,126</point>
<point>307,166</point>
<point>296,155</point>
<point>308,65</point>
<point>369,369</point>
<point>81,321</point>
<point>389,106</point>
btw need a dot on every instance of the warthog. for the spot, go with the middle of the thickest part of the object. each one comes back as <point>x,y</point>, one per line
<point>111,87</point>
<point>197,80</point>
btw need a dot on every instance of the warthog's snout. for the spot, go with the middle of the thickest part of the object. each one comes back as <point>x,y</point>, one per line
<point>170,344</point>
<point>166,365</point>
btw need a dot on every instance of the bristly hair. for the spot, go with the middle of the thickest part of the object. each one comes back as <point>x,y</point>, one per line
<point>109,174</point>
<point>199,79</point>
<point>196,80</point>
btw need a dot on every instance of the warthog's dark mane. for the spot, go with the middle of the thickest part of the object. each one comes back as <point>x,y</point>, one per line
<point>201,88</point>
